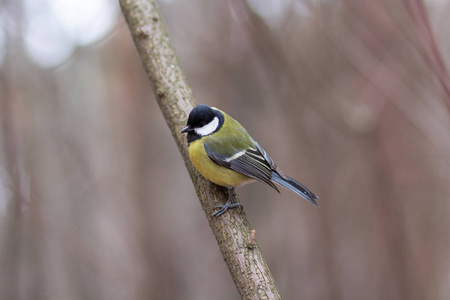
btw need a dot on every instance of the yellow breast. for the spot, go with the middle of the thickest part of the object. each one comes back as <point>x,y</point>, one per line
<point>213,172</point>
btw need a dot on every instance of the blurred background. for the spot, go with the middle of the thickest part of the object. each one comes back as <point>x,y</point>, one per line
<point>350,97</point>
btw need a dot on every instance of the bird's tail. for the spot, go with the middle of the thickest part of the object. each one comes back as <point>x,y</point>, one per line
<point>295,186</point>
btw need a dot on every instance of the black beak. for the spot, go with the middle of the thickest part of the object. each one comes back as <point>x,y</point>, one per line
<point>186,129</point>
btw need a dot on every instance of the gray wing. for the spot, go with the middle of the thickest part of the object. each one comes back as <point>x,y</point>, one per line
<point>253,162</point>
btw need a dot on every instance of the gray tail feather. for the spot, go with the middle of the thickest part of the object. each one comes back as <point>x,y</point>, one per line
<point>295,186</point>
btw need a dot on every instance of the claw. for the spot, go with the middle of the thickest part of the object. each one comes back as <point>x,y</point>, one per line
<point>227,206</point>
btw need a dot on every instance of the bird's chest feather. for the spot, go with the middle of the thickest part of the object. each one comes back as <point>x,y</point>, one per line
<point>211,171</point>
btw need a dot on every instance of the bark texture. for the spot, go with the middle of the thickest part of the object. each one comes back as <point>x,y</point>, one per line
<point>232,231</point>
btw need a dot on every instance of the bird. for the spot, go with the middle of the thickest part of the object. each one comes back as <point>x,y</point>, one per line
<point>223,152</point>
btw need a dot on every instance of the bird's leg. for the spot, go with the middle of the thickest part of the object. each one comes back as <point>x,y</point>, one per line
<point>228,205</point>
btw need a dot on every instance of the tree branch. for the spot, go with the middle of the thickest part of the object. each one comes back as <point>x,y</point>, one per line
<point>247,266</point>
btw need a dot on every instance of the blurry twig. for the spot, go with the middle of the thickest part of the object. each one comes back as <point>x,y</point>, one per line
<point>248,268</point>
<point>431,52</point>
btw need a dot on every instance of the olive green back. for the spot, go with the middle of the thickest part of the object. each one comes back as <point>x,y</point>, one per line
<point>230,139</point>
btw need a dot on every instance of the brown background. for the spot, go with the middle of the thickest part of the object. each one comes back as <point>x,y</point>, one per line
<point>349,97</point>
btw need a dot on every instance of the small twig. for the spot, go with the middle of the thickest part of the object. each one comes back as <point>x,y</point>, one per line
<point>251,244</point>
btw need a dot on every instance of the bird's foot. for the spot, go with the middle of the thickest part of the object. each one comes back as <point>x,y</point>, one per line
<point>224,208</point>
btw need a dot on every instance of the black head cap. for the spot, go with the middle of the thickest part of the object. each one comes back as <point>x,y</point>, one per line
<point>200,116</point>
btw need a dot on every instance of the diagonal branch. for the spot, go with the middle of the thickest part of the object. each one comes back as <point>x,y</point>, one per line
<point>247,266</point>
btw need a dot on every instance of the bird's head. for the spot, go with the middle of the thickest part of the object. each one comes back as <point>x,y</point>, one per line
<point>203,120</point>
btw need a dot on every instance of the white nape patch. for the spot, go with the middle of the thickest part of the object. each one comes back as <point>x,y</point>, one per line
<point>234,156</point>
<point>208,128</point>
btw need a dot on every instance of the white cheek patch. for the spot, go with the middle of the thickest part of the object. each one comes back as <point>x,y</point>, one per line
<point>208,128</point>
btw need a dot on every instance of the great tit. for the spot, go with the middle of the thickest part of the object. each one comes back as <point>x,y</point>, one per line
<point>223,152</point>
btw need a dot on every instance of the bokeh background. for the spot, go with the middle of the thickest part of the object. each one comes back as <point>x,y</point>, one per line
<point>350,97</point>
